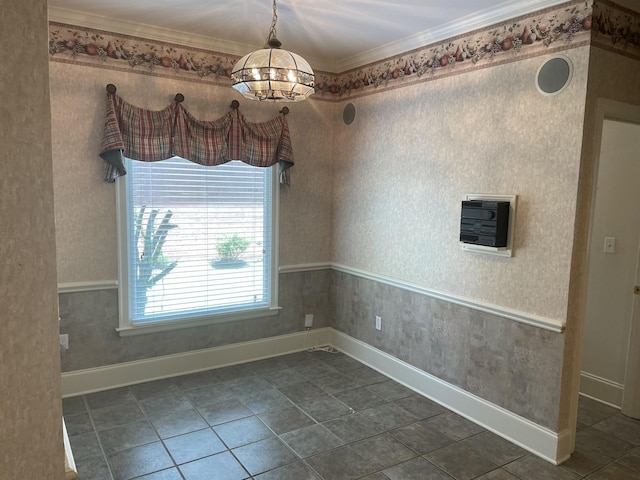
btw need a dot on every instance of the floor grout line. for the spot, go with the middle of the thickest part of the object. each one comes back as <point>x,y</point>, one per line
<point>316,367</point>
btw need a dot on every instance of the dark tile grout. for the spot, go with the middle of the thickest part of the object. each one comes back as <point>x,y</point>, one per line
<point>85,402</point>
<point>311,360</point>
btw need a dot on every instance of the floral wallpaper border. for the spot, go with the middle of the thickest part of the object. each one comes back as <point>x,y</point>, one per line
<point>571,25</point>
<point>616,28</point>
<point>545,31</point>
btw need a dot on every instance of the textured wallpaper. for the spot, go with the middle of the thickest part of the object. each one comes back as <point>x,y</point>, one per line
<point>91,319</point>
<point>513,365</point>
<point>30,400</point>
<point>406,163</point>
<point>382,194</point>
<point>85,206</point>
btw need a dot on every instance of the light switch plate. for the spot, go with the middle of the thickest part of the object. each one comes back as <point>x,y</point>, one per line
<point>609,245</point>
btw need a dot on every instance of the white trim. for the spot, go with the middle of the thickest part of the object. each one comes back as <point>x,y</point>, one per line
<point>509,10</point>
<point>274,219</point>
<point>601,389</point>
<point>73,287</point>
<point>607,109</point>
<point>91,286</point>
<point>70,469</point>
<point>506,11</point>
<point>164,35</point>
<point>567,81</point>
<point>551,446</point>
<point>81,382</point>
<point>127,325</point>
<point>166,325</point>
<point>565,445</point>
<point>123,268</point>
<point>141,30</point>
<point>305,267</point>
<point>550,324</point>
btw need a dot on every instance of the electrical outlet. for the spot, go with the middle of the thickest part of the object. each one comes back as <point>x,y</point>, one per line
<point>308,320</point>
<point>378,323</point>
<point>64,341</point>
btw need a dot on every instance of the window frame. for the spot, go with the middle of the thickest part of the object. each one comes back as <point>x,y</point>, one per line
<point>127,327</point>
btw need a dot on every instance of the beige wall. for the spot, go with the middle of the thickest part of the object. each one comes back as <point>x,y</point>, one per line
<point>412,154</point>
<point>30,402</point>
<point>85,205</point>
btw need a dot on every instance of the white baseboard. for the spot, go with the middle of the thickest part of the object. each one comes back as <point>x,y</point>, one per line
<point>551,446</point>
<point>70,469</point>
<point>80,382</point>
<point>601,389</point>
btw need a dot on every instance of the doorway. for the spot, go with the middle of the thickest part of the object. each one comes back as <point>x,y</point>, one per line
<point>611,361</point>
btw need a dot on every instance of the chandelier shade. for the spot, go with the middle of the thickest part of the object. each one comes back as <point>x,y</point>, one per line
<point>273,74</point>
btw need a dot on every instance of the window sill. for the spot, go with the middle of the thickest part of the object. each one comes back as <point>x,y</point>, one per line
<point>141,329</point>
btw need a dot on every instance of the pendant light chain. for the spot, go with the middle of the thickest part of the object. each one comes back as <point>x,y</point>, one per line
<point>272,30</point>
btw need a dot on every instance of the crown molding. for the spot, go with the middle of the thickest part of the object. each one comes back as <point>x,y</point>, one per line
<point>126,27</point>
<point>507,11</point>
<point>165,35</point>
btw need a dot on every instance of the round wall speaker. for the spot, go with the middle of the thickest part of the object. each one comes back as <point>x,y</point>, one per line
<point>349,114</point>
<point>554,75</point>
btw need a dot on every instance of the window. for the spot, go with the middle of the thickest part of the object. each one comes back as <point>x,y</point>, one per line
<point>197,244</point>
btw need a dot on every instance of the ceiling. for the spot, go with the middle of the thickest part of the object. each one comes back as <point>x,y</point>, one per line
<point>333,35</point>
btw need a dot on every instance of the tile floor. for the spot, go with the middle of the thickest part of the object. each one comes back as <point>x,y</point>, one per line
<point>314,416</point>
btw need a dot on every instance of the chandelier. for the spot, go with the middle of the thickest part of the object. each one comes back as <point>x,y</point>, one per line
<point>273,74</point>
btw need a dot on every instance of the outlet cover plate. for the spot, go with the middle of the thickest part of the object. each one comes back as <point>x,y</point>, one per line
<point>308,320</point>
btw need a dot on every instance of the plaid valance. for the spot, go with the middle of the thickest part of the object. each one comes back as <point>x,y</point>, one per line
<point>151,136</point>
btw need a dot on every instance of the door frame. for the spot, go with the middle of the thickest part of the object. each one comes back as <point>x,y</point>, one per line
<point>607,109</point>
<point>631,392</point>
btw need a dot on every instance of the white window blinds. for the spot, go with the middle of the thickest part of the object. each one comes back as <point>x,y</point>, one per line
<point>199,240</point>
